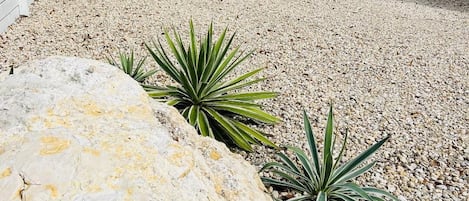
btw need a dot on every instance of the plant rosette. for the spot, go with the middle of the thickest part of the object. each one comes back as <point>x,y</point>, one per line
<point>209,102</point>
<point>324,179</point>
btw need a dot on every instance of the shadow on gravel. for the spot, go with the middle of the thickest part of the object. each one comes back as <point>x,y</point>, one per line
<point>456,5</point>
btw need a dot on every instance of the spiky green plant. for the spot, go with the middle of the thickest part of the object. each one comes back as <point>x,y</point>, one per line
<point>127,65</point>
<point>324,179</point>
<point>203,95</point>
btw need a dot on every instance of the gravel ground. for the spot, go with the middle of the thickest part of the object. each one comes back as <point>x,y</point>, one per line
<point>390,67</point>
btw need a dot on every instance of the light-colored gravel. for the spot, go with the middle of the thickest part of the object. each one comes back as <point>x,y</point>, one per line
<point>390,67</point>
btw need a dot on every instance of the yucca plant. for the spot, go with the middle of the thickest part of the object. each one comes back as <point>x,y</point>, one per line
<point>324,179</point>
<point>127,65</point>
<point>203,95</point>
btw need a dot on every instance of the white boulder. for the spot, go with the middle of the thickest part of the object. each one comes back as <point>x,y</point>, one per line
<point>77,129</point>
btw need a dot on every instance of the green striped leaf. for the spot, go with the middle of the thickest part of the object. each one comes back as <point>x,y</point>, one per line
<point>254,133</point>
<point>380,193</point>
<point>288,170</point>
<point>322,196</point>
<point>243,77</point>
<point>231,130</point>
<point>305,162</point>
<point>355,189</point>
<point>355,173</point>
<point>204,125</point>
<point>326,170</point>
<point>193,114</point>
<point>349,166</point>
<point>311,142</point>
<point>251,112</point>
<point>247,96</point>
<point>238,103</point>
<point>276,182</point>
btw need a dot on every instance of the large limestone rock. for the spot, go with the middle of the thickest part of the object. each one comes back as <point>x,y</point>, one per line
<point>77,129</point>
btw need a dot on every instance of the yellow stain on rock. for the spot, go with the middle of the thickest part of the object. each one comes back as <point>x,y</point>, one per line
<point>53,145</point>
<point>176,158</point>
<point>5,173</point>
<point>177,155</point>
<point>119,150</point>
<point>182,158</point>
<point>128,196</point>
<point>89,107</point>
<point>215,155</point>
<point>130,191</point>
<point>112,186</point>
<point>156,179</point>
<point>140,110</point>
<point>91,151</point>
<point>84,104</point>
<point>50,112</point>
<point>53,120</point>
<point>218,189</point>
<point>56,122</point>
<point>92,109</point>
<point>49,121</point>
<point>105,145</point>
<point>81,104</point>
<point>31,121</point>
<point>94,188</point>
<point>53,190</point>
<point>185,173</point>
<point>144,98</point>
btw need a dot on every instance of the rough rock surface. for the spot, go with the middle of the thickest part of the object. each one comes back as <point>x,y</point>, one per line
<point>77,129</point>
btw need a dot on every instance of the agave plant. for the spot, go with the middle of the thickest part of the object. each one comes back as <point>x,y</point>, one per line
<point>127,65</point>
<point>204,96</point>
<point>324,179</point>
